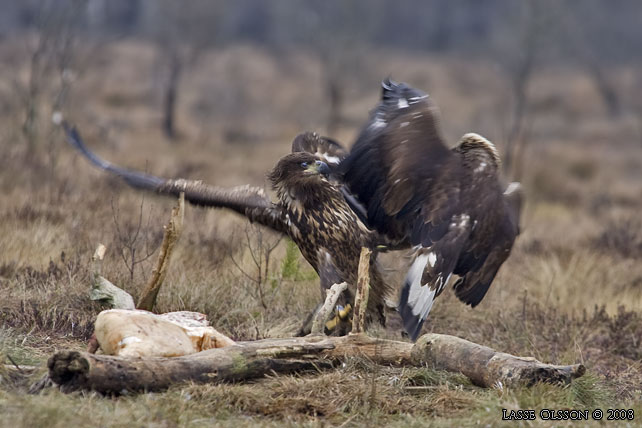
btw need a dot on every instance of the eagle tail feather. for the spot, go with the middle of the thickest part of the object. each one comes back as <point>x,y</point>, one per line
<point>416,298</point>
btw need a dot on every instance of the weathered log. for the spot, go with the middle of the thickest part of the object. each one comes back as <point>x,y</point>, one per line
<point>74,370</point>
<point>246,360</point>
<point>172,233</point>
<point>487,367</point>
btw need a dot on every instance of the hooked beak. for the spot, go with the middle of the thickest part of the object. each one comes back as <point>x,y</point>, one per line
<point>320,167</point>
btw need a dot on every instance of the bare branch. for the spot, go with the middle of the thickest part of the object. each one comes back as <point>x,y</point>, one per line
<point>172,233</point>
<point>363,289</point>
<point>322,315</point>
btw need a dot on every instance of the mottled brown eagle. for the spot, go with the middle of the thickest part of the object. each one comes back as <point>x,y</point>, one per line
<point>398,188</point>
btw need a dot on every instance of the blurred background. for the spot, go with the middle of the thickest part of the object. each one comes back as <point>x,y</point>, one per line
<point>251,71</point>
<point>216,90</point>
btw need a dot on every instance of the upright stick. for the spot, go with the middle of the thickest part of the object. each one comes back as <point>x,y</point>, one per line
<point>332,295</point>
<point>363,288</point>
<point>172,232</point>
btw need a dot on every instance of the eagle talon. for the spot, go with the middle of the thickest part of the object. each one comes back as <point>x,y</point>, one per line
<point>342,315</point>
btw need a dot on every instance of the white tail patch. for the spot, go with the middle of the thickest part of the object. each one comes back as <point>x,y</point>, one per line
<point>424,305</point>
<point>420,297</point>
<point>432,259</point>
<point>415,272</point>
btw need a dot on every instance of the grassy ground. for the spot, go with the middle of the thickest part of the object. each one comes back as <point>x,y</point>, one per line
<point>570,292</point>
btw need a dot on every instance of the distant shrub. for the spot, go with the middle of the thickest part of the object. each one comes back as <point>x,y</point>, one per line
<point>622,236</point>
<point>290,263</point>
<point>584,169</point>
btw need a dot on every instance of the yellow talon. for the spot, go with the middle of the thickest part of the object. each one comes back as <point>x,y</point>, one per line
<point>342,315</point>
<point>345,312</point>
<point>332,324</point>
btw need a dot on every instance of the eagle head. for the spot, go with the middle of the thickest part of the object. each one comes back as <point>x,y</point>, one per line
<point>477,148</point>
<point>298,175</point>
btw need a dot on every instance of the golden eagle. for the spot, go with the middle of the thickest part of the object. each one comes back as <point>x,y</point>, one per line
<point>398,188</point>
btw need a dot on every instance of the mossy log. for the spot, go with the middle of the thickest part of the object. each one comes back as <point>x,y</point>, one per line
<point>247,360</point>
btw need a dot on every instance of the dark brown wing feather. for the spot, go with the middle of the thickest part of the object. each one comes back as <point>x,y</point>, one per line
<point>246,200</point>
<point>489,246</point>
<point>445,203</point>
<point>401,171</point>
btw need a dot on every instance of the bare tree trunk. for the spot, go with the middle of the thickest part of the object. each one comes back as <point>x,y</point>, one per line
<point>578,38</point>
<point>171,95</point>
<point>335,99</point>
<point>605,89</point>
<point>30,124</point>
<point>520,76</point>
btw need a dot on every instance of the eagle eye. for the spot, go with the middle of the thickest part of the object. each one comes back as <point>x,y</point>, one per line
<point>304,164</point>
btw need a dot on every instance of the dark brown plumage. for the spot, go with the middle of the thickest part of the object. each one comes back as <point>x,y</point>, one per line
<point>448,205</point>
<point>399,187</point>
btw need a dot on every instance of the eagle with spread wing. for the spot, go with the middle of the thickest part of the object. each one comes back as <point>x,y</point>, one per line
<point>398,188</point>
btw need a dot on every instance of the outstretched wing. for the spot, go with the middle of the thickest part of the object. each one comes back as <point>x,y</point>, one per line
<point>251,202</point>
<point>401,171</point>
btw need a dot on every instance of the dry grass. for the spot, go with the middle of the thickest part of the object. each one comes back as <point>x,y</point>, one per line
<point>571,291</point>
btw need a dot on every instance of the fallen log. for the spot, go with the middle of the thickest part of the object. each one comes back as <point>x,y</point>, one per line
<point>247,360</point>
<point>74,370</point>
<point>487,367</point>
